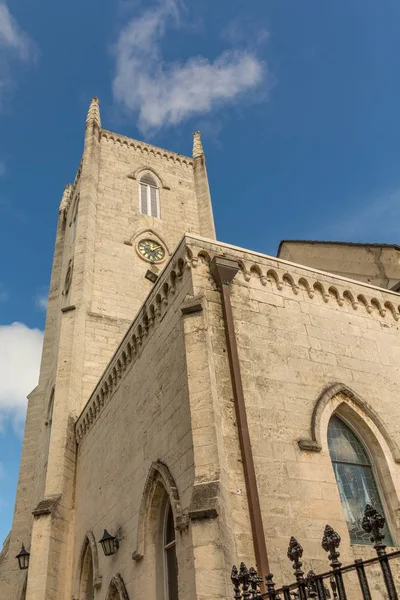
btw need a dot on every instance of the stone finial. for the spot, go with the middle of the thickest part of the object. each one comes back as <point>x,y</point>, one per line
<point>197,145</point>
<point>93,116</point>
<point>66,199</point>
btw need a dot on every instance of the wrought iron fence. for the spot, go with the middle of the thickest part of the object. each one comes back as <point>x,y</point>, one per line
<point>327,585</point>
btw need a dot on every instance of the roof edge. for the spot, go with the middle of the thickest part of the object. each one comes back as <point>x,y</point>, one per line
<point>364,244</point>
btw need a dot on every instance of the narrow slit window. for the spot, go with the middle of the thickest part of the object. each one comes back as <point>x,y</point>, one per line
<point>355,479</point>
<point>149,196</point>
<point>171,569</point>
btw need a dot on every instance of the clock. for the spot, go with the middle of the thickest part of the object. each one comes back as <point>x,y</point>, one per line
<point>151,250</point>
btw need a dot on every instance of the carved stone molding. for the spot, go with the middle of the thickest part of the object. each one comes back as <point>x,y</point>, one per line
<point>204,502</point>
<point>146,148</point>
<point>89,540</point>
<point>117,586</point>
<point>145,169</point>
<point>158,474</point>
<point>313,444</point>
<point>46,506</point>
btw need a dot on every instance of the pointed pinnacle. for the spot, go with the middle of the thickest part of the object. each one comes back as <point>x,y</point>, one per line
<point>93,116</point>
<point>197,145</point>
<point>66,199</point>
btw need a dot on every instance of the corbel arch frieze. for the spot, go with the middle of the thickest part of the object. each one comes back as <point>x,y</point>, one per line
<point>136,175</point>
<point>89,541</point>
<point>159,481</point>
<point>117,589</point>
<point>324,408</point>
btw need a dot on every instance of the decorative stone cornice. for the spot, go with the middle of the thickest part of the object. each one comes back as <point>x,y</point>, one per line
<point>197,145</point>
<point>347,396</point>
<point>93,116</point>
<point>152,311</point>
<point>335,290</point>
<point>146,148</point>
<point>46,506</point>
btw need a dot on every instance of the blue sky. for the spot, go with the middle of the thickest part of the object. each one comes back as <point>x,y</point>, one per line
<point>298,103</point>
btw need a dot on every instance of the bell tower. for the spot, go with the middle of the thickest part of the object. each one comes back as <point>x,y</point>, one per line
<point>123,215</point>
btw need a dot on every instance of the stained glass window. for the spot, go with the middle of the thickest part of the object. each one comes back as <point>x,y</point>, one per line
<point>355,479</point>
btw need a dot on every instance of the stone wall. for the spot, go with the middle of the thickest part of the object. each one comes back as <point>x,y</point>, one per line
<point>303,337</point>
<point>143,420</point>
<point>97,287</point>
<point>309,344</point>
<point>371,263</point>
<point>119,286</point>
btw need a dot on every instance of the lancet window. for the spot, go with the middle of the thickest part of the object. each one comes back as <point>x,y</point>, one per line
<point>170,563</point>
<point>355,479</point>
<point>149,200</point>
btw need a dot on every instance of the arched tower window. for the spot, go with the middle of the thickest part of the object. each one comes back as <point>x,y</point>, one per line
<point>355,479</point>
<point>149,202</point>
<point>170,563</point>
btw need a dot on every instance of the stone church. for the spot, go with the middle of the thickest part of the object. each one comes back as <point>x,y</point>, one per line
<point>198,403</point>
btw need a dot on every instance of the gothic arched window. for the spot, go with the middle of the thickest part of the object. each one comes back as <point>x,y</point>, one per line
<point>149,202</point>
<point>86,591</point>
<point>355,479</point>
<point>170,563</point>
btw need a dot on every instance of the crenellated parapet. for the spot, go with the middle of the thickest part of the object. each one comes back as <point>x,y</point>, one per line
<point>146,148</point>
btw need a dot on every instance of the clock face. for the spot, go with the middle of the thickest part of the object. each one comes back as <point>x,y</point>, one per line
<point>151,250</point>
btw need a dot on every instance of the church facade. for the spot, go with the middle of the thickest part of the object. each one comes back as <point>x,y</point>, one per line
<point>198,401</point>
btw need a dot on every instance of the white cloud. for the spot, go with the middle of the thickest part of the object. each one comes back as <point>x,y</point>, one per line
<point>41,302</point>
<point>165,94</point>
<point>20,353</point>
<point>14,43</point>
<point>11,35</point>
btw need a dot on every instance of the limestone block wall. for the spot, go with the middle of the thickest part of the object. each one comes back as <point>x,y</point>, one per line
<point>156,403</point>
<point>33,466</point>
<point>299,334</point>
<point>143,419</point>
<point>118,284</point>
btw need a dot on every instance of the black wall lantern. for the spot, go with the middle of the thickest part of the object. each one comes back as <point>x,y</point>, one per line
<point>23,558</point>
<point>109,543</point>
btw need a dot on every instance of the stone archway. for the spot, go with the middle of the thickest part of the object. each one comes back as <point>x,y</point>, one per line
<point>87,576</point>
<point>343,394</point>
<point>117,589</point>
<point>159,482</point>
